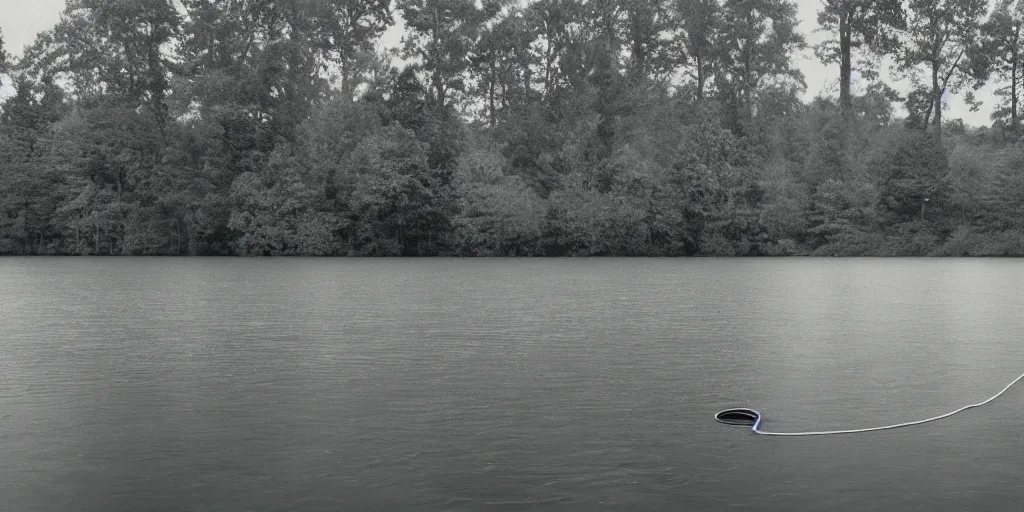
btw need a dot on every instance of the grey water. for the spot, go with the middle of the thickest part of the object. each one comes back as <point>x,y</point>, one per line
<point>156,384</point>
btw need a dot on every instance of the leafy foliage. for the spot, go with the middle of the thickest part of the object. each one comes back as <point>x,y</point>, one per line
<point>557,127</point>
<point>940,36</point>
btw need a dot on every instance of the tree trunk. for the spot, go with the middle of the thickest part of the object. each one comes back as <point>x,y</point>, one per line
<point>1013,97</point>
<point>549,70</point>
<point>401,239</point>
<point>701,78</point>
<point>346,82</point>
<point>527,81</point>
<point>937,91</point>
<point>845,66</point>
<point>490,95</point>
<point>439,87</point>
<point>927,117</point>
<point>189,239</point>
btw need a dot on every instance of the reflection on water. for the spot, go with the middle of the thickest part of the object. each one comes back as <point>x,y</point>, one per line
<point>226,384</point>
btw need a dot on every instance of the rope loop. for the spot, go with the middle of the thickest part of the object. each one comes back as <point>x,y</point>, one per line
<point>752,418</point>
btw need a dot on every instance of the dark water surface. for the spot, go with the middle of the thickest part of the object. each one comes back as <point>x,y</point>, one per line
<point>456,384</point>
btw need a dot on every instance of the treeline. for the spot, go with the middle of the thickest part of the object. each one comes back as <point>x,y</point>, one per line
<point>555,127</point>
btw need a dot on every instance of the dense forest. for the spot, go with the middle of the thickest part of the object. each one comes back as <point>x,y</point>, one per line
<point>552,127</point>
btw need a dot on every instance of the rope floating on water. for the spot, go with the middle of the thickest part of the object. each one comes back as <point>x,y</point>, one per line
<point>742,416</point>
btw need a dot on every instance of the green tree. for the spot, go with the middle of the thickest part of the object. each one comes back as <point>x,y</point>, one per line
<point>110,54</point>
<point>399,204</point>
<point>758,40</point>
<point>347,30</point>
<point>699,23</point>
<point>4,58</point>
<point>29,172</point>
<point>556,42</point>
<point>1000,54</point>
<point>856,24</point>
<point>110,50</point>
<point>114,147</point>
<point>328,139</point>
<point>275,212</point>
<point>940,34</point>
<point>643,23</point>
<point>499,215</point>
<point>842,219</point>
<point>441,35</point>
<point>913,180</point>
<point>501,64</point>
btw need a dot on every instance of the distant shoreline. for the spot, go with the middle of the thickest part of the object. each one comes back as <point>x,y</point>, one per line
<point>540,128</point>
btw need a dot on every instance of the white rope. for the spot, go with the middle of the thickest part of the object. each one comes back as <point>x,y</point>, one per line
<point>757,424</point>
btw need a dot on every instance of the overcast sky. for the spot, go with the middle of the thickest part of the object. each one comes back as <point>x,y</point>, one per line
<point>22,19</point>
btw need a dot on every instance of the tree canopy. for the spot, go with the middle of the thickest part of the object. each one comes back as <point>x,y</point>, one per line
<point>548,127</point>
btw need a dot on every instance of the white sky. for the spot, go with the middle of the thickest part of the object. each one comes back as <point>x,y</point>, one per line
<point>22,19</point>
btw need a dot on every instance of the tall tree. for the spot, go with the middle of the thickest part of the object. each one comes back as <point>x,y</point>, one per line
<point>940,34</point>
<point>699,23</point>
<point>398,202</point>
<point>501,63</point>
<point>348,29</point>
<point>110,50</point>
<point>4,59</point>
<point>27,169</point>
<point>1001,54</point>
<point>111,56</point>
<point>758,40</point>
<point>441,34</point>
<point>643,23</point>
<point>858,23</point>
<point>551,20</point>
<point>28,115</point>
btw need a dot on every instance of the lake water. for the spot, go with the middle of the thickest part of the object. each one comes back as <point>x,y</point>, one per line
<point>456,384</point>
